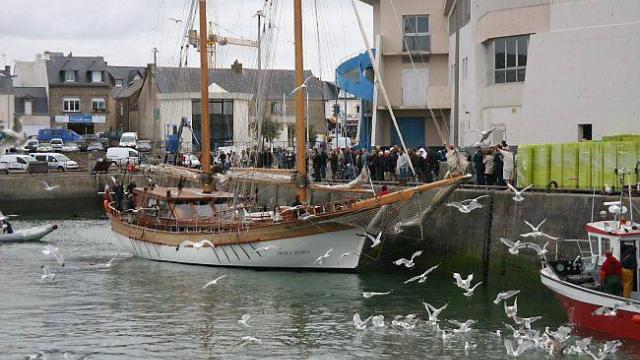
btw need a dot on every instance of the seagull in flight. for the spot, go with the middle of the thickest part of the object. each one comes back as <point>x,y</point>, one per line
<point>46,274</point>
<point>463,327</point>
<point>321,259</point>
<point>177,21</point>
<point>518,194</point>
<point>375,240</point>
<point>526,321</point>
<point>422,277</point>
<point>244,320</point>
<point>215,281</point>
<point>268,247</point>
<point>536,232</point>
<point>370,294</point>
<point>468,205</point>
<point>48,187</point>
<point>504,295</point>
<point>196,245</point>
<point>463,284</point>
<point>433,312</point>
<point>408,263</point>
<point>469,291</point>
<point>52,250</point>
<point>522,347</point>
<point>359,323</point>
<point>484,135</point>
<point>514,247</point>
<point>348,254</point>
<point>512,310</point>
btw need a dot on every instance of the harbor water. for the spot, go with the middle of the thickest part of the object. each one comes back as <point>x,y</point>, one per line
<point>141,309</point>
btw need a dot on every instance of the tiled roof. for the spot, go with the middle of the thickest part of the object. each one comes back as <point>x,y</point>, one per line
<point>6,84</point>
<point>80,64</point>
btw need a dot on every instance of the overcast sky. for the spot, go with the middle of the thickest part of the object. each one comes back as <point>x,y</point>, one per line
<point>126,31</point>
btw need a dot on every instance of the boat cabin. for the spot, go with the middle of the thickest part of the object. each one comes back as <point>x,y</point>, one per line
<point>619,237</point>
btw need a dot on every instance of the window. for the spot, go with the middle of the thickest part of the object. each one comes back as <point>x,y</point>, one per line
<point>605,245</point>
<point>416,33</point>
<point>69,76</point>
<point>511,59</point>
<point>71,105</point>
<point>276,108</point>
<point>584,132</point>
<point>96,76</point>
<point>460,15</point>
<point>183,210</point>
<point>220,122</point>
<point>119,82</point>
<point>28,107</point>
<point>98,104</point>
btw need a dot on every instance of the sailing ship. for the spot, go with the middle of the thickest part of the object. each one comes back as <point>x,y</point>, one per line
<point>211,227</point>
<point>576,282</point>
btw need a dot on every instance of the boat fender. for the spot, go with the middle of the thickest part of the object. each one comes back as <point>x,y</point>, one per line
<point>636,319</point>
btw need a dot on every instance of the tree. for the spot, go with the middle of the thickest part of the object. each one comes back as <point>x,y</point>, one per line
<point>270,129</point>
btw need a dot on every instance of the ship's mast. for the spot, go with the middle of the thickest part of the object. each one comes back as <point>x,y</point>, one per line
<point>301,137</point>
<point>204,101</point>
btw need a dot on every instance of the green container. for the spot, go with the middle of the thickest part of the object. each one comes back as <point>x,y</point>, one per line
<point>541,165</point>
<point>597,149</point>
<point>584,165</point>
<point>610,164</point>
<point>555,169</point>
<point>524,165</point>
<point>570,165</point>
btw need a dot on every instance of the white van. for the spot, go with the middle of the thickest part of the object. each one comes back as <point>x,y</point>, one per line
<point>123,155</point>
<point>16,162</point>
<point>56,161</point>
<point>129,139</point>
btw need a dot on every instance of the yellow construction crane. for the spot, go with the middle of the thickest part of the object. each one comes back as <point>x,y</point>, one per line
<point>214,40</point>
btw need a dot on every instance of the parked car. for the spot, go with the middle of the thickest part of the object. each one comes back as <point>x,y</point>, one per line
<point>57,144</point>
<point>16,162</point>
<point>191,161</point>
<point>31,145</point>
<point>70,147</point>
<point>95,146</point>
<point>123,155</point>
<point>44,147</point>
<point>129,139</point>
<point>144,145</point>
<point>56,161</point>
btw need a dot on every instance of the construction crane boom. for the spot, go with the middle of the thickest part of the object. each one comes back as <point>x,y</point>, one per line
<point>225,40</point>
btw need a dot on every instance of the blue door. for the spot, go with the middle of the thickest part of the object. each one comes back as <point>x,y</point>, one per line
<point>412,129</point>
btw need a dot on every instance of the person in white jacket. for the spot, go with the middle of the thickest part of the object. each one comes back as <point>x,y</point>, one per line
<point>507,167</point>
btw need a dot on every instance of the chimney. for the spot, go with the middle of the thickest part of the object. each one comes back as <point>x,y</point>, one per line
<point>236,67</point>
<point>7,70</point>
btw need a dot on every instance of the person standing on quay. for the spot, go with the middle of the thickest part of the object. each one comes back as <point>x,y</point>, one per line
<point>478,166</point>
<point>507,165</point>
<point>489,171</point>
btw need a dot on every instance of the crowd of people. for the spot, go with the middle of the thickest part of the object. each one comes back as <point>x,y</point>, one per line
<point>493,165</point>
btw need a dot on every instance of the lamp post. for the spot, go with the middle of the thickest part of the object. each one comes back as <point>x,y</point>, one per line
<point>299,88</point>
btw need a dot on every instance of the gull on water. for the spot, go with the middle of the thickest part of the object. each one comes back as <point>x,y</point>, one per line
<point>36,356</point>
<point>378,321</point>
<point>536,232</point>
<point>370,294</point>
<point>522,347</point>
<point>52,250</point>
<point>321,259</point>
<point>468,347</point>
<point>215,281</point>
<point>518,194</point>
<point>375,240</point>
<point>609,347</point>
<point>512,310</point>
<point>504,295</point>
<point>496,333</point>
<point>359,323</point>
<point>433,312</point>
<point>244,320</point>
<point>581,346</point>
<point>468,205</point>
<point>48,187</point>
<point>422,277</point>
<point>248,340</point>
<point>108,263</point>
<point>463,327</point>
<point>406,322</point>
<point>46,273</point>
<point>408,262</point>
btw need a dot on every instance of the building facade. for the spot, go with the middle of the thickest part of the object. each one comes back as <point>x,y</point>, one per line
<point>412,48</point>
<point>32,109</point>
<point>527,68</point>
<point>7,99</point>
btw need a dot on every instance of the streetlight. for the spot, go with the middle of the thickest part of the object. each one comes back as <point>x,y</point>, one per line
<point>304,86</point>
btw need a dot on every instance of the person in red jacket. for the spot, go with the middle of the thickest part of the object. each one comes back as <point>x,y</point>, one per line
<point>611,274</point>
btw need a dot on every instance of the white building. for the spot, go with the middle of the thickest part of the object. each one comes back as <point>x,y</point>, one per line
<point>542,71</point>
<point>7,99</point>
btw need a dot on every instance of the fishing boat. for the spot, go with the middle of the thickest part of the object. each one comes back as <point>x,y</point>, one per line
<point>576,284</point>
<point>9,235</point>
<point>207,226</point>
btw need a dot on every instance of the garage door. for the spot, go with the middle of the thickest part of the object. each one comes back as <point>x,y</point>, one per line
<point>412,129</point>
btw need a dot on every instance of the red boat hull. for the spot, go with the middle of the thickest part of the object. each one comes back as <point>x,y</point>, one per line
<point>622,325</point>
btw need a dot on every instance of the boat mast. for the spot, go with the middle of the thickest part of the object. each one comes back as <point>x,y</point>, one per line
<point>301,137</point>
<point>204,101</point>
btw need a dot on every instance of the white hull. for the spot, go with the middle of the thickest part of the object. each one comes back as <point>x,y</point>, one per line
<point>32,234</point>
<point>297,252</point>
